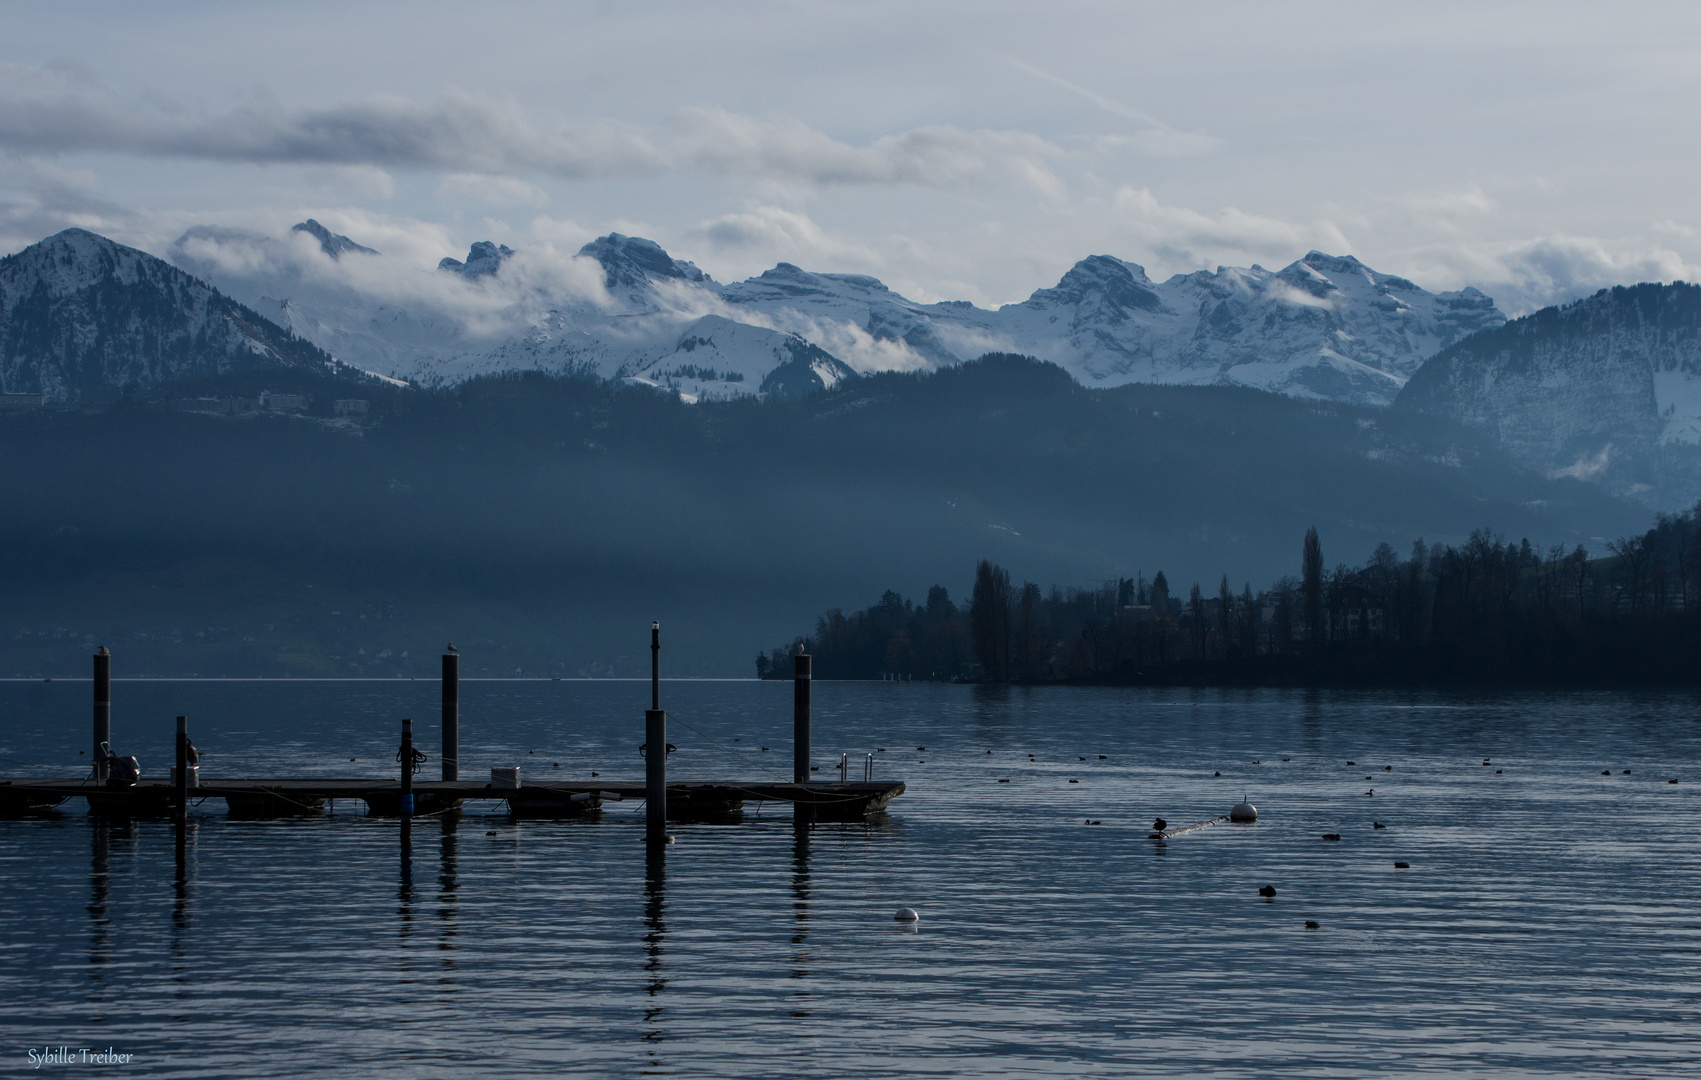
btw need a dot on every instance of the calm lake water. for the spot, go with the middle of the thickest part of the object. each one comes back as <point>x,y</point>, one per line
<point>1549,923</point>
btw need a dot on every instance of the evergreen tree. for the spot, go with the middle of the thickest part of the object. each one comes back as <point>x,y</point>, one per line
<point>989,620</point>
<point>1311,587</point>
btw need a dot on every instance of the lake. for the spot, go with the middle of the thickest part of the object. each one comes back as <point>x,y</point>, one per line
<point>1549,922</point>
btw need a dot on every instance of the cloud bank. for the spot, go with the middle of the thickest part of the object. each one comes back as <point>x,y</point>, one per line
<point>59,111</point>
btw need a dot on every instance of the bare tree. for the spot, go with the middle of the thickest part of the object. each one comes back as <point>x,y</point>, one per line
<point>1635,559</point>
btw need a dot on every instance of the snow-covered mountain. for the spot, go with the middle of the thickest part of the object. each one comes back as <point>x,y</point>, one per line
<point>1325,327</point>
<point>78,311</point>
<point>332,244</point>
<point>1606,389</point>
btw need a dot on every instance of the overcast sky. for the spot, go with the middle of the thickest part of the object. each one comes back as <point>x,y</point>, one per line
<point>956,151</point>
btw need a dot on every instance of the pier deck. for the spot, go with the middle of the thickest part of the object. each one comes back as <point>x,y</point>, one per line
<point>686,800</point>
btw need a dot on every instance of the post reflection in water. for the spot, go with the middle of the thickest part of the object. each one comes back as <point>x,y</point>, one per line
<point>800,908</point>
<point>655,940</point>
<point>180,892</point>
<point>448,883</point>
<point>100,897</point>
<point>404,895</point>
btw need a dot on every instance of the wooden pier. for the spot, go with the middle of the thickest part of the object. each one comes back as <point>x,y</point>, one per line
<point>114,789</point>
<point>687,801</point>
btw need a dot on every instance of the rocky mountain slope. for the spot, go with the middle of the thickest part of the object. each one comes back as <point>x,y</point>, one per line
<point>1606,389</point>
<point>79,312</point>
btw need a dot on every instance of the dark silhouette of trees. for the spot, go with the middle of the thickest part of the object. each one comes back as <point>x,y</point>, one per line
<point>893,639</point>
<point>1485,611</point>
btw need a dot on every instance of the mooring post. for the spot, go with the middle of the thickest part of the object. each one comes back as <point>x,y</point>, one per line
<point>406,758</point>
<point>180,793</point>
<point>102,710</point>
<point>655,749</point>
<point>451,716</point>
<point>800,718</point>
<point>802,813</point>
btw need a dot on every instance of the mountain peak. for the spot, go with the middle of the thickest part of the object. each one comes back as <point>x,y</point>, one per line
<point>1123,285</point>
<point>80,312</point>
<point>632,262</point>
<point>483,258</point>
<point>1338,264</point>
<point>332,244</point>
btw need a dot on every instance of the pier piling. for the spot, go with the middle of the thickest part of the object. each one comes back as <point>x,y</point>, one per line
<point>451,716</point>
<point>102,711</point>
<point>180,786</point>
<point>405,756</point>
<point>802,678</point>
<point>655,749</point>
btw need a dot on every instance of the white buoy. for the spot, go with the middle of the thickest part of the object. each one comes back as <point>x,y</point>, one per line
<point>906,915</point>
<point>1243,811</point>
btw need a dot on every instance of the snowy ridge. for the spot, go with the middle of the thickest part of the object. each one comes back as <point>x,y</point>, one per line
<point>1324,327</point>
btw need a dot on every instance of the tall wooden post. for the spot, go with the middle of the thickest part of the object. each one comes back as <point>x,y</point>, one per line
<point>102,710</point>
<point>451,716</point>
<point>655,749</point>
<point>801,679</point>
<point>180,789</point>
<point>407,768</point>
<point>802,813</point>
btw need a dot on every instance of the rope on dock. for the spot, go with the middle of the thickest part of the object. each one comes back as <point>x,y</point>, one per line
<point>1179,829</point>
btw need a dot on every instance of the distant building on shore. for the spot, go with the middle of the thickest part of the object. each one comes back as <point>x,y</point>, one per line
<point>283,402</point>
<point>22,402</point>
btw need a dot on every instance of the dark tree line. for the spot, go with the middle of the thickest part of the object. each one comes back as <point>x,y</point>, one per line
<point>1486,611</point>
<point>894,638</point>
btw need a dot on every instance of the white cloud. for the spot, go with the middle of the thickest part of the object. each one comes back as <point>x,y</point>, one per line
<point>722,143</point>
<point>1524,275</point>
<point>774,234</point>
<point>491,190</point>
<point>355,179</point>
<point>1187,239</point>
<point>534,280</point>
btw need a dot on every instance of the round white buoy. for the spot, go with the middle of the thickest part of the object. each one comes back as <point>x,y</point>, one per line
<point>906,915</point>
<point>1243,811</point>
